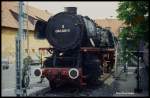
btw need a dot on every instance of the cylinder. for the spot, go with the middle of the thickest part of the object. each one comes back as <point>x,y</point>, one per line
<point>72,10</point>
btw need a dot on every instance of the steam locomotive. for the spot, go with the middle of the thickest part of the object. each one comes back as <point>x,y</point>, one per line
<point>81,48</point>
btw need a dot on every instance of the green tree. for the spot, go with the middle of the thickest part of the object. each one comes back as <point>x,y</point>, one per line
<point>135,16</point>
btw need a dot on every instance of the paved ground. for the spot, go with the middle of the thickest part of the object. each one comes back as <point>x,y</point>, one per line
<point>122,86</point>
<point>9,82</point>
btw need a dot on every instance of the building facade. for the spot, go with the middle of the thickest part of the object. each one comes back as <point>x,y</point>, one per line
<point>114,25</point>
<point>9,29</point>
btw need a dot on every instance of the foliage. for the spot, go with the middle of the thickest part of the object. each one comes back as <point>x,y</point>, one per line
<point>135,16</point>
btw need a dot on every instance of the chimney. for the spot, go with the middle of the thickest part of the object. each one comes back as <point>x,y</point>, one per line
<point>72,10</point>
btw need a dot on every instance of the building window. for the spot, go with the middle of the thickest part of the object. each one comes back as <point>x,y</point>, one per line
<point>38,18</point>
<point>15,15</point>
<point>30,18</point>
<point>108,28</point>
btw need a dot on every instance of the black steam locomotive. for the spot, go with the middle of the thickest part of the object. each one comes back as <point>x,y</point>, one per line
<point>80,48</point>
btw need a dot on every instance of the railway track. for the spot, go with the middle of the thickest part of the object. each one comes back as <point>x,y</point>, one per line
<point>41,92</point>
<point>60,91</point>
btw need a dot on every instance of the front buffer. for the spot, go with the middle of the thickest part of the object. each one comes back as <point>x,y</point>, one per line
<point>58,76</point>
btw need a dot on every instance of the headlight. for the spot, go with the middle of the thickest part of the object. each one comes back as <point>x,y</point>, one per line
<point>73,73</point>
<point>38,72</point>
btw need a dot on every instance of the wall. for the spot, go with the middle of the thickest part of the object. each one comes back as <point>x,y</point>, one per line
<point>8,43</point>
<point>114,24</point>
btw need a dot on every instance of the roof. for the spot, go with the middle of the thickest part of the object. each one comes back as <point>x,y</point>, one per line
<point>114,24</point>
<point>10,12</point>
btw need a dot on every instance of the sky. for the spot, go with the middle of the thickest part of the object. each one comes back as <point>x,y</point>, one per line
<point>95,10</point>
